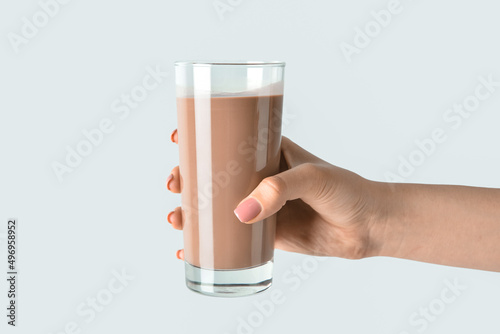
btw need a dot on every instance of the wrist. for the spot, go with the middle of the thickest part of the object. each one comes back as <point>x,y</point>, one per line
<point>386,220</point>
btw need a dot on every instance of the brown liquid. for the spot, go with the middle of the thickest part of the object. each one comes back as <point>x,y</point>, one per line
<point>227,146</point>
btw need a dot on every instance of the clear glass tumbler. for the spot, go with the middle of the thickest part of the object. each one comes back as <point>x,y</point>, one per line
<point>229,133</point>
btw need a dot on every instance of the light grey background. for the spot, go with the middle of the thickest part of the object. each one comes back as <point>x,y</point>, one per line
<point>110,212</point>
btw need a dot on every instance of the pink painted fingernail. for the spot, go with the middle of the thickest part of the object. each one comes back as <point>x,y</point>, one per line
<point>248,209</point>
<point>180,254</point>
<point>169,179</point>
<point>173,136</point>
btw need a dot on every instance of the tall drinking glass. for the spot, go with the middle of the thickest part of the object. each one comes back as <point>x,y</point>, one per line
<point>229,134</point>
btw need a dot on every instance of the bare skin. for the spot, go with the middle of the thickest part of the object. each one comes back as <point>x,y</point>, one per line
<point>338,213</point>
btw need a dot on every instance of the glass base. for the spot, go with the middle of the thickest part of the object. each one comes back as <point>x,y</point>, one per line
<point>229,283</point>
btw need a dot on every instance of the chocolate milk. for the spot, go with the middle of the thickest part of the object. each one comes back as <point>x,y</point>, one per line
<point>227,145</point>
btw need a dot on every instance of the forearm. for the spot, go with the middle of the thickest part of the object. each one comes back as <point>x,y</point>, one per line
<point>449,225</point>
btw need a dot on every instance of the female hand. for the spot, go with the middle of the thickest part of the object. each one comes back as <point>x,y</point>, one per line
<point>321,209</point>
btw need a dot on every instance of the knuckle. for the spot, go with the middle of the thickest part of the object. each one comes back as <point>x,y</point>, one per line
<point>275,185</point>
<point>309,168</point>
<point>316,177</point>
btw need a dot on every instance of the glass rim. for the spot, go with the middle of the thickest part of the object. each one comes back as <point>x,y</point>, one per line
<point>230,63</point>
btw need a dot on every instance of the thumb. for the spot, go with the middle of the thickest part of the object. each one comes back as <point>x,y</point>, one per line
<point>273,192</point>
